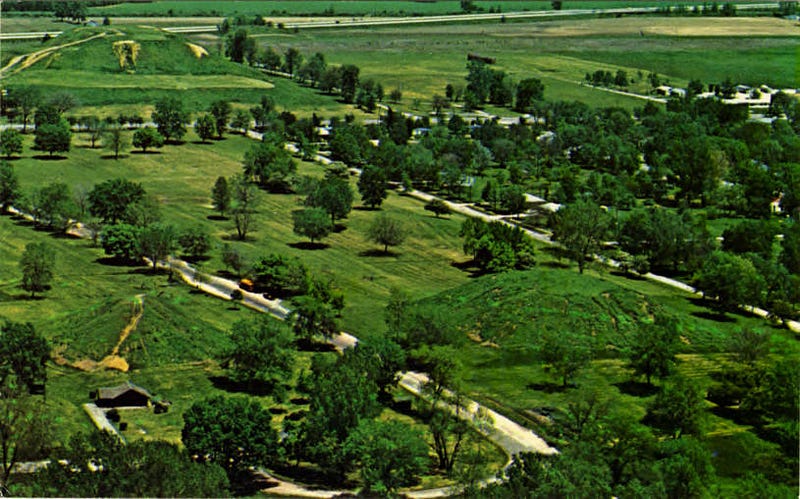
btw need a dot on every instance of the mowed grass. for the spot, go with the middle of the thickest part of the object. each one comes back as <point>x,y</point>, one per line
<point>181,178</point>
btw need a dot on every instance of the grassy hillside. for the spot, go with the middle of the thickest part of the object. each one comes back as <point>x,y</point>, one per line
<point>167,65</point>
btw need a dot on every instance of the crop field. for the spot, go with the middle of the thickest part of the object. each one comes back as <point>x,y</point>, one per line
<point>421,60</point>
<point>346,7</point>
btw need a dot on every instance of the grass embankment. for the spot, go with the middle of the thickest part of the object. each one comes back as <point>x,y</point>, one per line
<point>513,310</point>
<point>165,67</point>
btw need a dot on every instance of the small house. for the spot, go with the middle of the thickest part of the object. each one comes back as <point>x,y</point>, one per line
<point>124,395</point>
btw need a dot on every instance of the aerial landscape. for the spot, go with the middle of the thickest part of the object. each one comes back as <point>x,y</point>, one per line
<point>400,248</point>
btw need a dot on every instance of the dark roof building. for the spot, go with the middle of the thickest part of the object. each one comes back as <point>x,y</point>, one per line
<point>124,395</point>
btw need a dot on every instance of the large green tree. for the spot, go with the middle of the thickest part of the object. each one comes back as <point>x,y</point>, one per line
<point>652,349</point>
<point>387,232</point>
<point>732,279</point>
<point>23,428</point>
<point>233,432</point>
<point>9,186</point>
<point>263,353</point>
<point>221,195</point>
<point>204,127</point>
<point>37,264</point>
<point>333,195</point>
<point>313,223</point>
<point>564,354</point>
<point>53,137</point>
<point>10,142</point>
<point>580,227</point>
<point>391,454</point>
<point>170,118</point>
<point>23,354</point>
<point>121,241</point>
<point>155,242</point>
<point>246,200</point>
<point>372,186</point>
<point>110,199</point>
<point>147,137</point>
<point>116,140</point>
<point>269,163</point>
<point>528,90</point>
<point>679,408</point>
<point>142,468</point>
<point>221,111</point>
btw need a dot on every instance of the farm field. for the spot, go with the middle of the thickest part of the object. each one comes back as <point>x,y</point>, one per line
<point>420,60</point>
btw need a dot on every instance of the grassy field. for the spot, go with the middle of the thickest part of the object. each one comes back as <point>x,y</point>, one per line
<point>182,176</point>
<point>421,60</point>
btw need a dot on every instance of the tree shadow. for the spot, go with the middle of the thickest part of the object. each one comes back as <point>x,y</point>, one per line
<point>60,234</point>
<point>27,296</point>
<point>306,345</point>
<point>235,237</point>
<point>196,259</point>
<point>146,153</point>
<point>47,157</point>
<point>217,218</point>
<point>12,158</point>
<point>113,261</point>
<point>149,271</point>
<point>627,275</point>
<point>636,388</point>
<point>470,268</point>
<point>111,156</point>
<point>338,228</point>
<point>366,208</point>
<point>308,245</point>
<point>550,387</point>
<point>202,143</point>
<point>231,386</point>
<point>378,253</point>
<point>716,316</point>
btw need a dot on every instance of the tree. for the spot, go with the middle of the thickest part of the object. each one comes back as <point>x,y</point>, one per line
<point>37,264</point>
<point>732,279</point>
<point>438,207</point>
<point>10,142</point>
<point>790,246</point>
<point>53,206</point>
<point>221,111</point>
<point>204,127</point>
<point>195,242</point>
<point>234,432</point>
<point>513,199</point>
<point>580,227</point>
<point>23,357</point>
<point>333,195</point>
<point>340,397</point>
<point>137,469</point>
<point>246,200</point>
<point>263,353</point>
<point>170,117</point>
<point>241,119</point>
<point>25,100</point>
<point>396,95</point>
<point>147,137</point>
<point>221,195</point>
<point>679,408</point>
<point>233,259</point>
<point>23,429</point>
<point>55,137</point>
<point>239,47</point>
<point>155,242</point>
<point>564,354</point>
<point>269,163</point>
<point>750,236</point>
<point>313,223</point>
<point>372,186</point>
<point>9,186</point>
<point>386,231</point>
<point>391,454</point>
<point>653,347</point>
<point>121,241</point>
<point>348,82</point>
<point>292,60</point>
<point>115,139</point>
<point>528,90</point>
<point>109,200</point>
<point>312,317</point>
